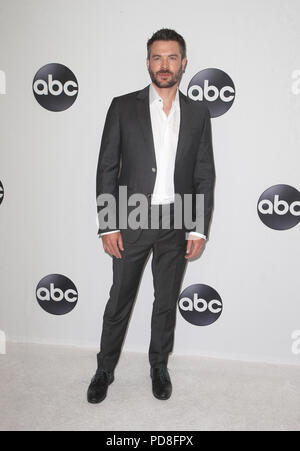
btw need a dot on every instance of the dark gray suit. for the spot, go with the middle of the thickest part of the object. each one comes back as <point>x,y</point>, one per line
<point>127,158</point>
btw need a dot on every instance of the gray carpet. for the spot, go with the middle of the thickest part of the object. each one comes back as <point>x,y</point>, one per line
<point>44,388</point>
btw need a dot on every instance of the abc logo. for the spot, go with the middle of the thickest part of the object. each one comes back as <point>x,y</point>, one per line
<point>1,192</point>
<point>213,87</point>
<point>55,87</point>
<point>279,207</point>
<point>200,304</point>
<point>56,294</point>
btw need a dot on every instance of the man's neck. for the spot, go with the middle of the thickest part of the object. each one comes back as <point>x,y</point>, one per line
<point>167,94</point>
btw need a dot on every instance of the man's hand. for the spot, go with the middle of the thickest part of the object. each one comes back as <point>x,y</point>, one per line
<point>112,242</point>
<point>194,247</point>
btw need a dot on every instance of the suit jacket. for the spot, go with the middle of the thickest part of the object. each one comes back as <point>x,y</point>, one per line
<point>127,154</point>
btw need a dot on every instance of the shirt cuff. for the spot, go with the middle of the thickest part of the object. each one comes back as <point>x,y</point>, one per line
<point>107,233</point>
<point>197,234</point>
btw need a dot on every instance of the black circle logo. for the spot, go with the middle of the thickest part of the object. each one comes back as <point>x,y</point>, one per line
<point>55,87</point>
<point>1,192</point>
<point>279,207</point>
<point>213,87</point>
<point>200,304</point>
<point>56,294</point>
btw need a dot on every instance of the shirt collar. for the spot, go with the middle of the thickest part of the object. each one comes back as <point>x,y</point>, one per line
<point>154,96</point>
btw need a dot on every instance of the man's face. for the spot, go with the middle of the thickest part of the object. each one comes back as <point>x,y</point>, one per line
<point>165,65</point>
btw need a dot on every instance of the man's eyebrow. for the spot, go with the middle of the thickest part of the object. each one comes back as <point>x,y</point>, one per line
<point>171,54</point>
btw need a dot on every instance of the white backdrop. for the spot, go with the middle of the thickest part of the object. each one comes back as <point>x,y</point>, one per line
<point>48,167</point>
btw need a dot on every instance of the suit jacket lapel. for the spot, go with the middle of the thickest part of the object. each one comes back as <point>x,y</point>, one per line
<point>183,127</point>
<point>143,111</point>
<point>144,118</point>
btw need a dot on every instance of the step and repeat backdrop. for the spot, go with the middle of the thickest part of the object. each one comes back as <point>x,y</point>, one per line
<point>61,63</point>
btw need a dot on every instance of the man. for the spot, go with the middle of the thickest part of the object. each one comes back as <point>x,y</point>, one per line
<point>156,142</point>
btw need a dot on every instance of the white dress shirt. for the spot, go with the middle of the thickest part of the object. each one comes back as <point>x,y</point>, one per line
<point>165,130</point>
<point>165,136</point>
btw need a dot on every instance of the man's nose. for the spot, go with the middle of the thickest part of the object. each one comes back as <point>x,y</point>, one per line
<point>164,64</point>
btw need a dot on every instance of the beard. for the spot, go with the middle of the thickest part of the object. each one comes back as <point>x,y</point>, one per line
<point>171,81</point>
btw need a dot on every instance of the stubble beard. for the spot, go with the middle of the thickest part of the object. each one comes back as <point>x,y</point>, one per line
<point>175,77</point>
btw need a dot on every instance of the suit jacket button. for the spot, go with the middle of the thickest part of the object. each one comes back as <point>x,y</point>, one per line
<point>153,170</point>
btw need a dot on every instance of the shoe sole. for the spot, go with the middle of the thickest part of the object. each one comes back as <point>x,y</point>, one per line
<point>162,399</point>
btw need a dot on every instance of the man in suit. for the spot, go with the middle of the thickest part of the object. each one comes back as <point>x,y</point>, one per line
<point>156,142</point>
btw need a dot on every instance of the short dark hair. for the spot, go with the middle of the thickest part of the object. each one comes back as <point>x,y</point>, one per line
<point>165,34</point>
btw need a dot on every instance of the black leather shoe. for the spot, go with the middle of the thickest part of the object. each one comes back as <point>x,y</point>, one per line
<point>98,387</point>
<point>161,382</point>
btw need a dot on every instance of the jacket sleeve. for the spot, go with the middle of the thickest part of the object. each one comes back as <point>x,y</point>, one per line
<point>107,171</point>
<point>204,178</point>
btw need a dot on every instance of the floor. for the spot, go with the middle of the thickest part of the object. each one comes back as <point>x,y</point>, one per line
<point>43,388</point>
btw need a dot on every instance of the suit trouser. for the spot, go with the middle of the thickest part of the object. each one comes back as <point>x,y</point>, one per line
<point>168,264</point>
